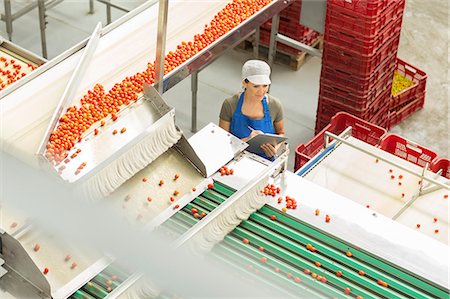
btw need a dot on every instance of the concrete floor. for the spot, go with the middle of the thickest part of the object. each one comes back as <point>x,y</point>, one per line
<point>424,43</point>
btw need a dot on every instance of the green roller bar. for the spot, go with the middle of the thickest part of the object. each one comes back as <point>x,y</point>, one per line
<point>376,268</point>
<point>282,283</point>
<point>296,253</point>
<point>81,295</point>
<point>95,290</point>
<point>105,281</point>
<point>223,189</point>
<point>252,253</point>
<point>113,270</point>
<point>285,242</point>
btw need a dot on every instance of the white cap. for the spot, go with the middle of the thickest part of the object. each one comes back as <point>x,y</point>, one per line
<point>256,71</point>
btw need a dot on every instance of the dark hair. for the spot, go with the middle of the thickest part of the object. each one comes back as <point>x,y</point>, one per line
<point>246,80</point>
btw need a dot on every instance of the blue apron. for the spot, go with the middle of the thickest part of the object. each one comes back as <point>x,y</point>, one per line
<point>240,122</point>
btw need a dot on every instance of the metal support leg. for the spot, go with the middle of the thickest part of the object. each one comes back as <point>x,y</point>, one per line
<point>42,25</point>
<point>273,35</point>
<point>108,12</point>
<point>194,88</point>
<point>8,18</point>
<point>161,44</point>
<point>91,7</point>
<point>256,44</point>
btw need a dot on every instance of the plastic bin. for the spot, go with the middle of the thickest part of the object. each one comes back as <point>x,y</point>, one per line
<point>361,129</point>
<point>415,91</point>
<point>360,24</point>
<point>357,63</point>
<point>407,150</point>
<point>441,164</point>
<point>330,107</point>
<point>361,84</point>
<point>364,7</point>
<point>366,45</point>
<point>355,99</point>
<point>381,118</point>
<point>402,112</point>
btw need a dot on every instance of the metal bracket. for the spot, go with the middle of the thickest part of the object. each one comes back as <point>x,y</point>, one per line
<point>421,175</point>
<point>71,87</point>
<point>297,45</point>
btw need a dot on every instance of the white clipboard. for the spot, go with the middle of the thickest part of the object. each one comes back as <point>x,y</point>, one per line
<point>254,144</point>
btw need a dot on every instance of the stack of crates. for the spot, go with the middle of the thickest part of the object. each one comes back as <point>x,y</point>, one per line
<point>359,57</point>
<point>289,26</point>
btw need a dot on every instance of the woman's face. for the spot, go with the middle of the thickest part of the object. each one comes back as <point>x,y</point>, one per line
<point>255,91</point>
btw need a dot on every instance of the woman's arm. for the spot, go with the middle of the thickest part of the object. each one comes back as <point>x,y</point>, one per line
<point>279,127</point>
<point>224,124</point>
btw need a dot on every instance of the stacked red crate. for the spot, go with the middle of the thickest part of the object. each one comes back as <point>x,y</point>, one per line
<point>359,57</point>
<point>289,26</point>
<point>411,99</point>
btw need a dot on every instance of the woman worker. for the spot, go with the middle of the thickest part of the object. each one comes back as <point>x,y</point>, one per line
<point>253,111</point>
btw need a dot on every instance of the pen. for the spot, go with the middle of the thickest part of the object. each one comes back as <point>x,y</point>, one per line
<point>251,129</point>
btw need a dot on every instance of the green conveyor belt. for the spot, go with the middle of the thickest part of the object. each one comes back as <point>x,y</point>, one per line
<point>102,284</point>
<point>284,242</point>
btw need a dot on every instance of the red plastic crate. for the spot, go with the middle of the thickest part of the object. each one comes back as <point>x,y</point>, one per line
<point>361,129</point>
<point>330,104</point>
<point>443,165</point>
<point>355,99</point>
<point>381,118</point>
<point>358,83</point>
<point>406,109</point>
<point>419,79</point>
<point>327,109</point>
<point>365,7</point>
<point>360,24</point>
<point>407,150</point>
<point>358,64</point>
<point>366,45</point>
<point>293,11</point>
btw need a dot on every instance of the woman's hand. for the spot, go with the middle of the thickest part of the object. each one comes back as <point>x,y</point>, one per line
<point>269,149</point>
<point>252,134</point>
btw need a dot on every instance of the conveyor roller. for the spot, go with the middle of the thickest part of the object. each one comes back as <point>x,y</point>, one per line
<point>277,251</point>
<point>102,284</point>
